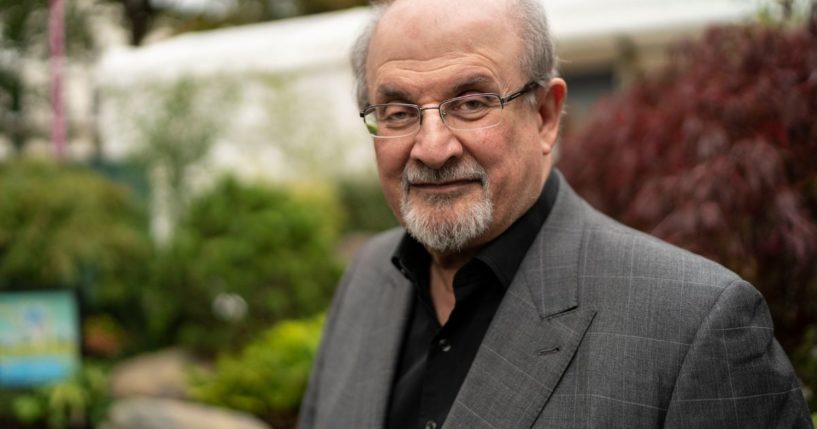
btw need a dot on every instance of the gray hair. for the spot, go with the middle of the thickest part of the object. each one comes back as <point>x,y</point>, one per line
<point>538,59</point>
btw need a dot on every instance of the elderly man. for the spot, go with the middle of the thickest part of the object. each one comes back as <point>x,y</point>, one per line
<point>505,301</point>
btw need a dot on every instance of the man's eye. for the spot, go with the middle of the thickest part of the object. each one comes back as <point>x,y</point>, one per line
<point>473,104</point>
<point>397,114</point>
<point>472,107</point>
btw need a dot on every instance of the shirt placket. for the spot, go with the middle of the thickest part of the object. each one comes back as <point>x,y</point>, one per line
<point>442,355</point>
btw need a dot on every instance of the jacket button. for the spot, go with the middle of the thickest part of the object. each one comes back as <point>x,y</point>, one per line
<point>431,424</point>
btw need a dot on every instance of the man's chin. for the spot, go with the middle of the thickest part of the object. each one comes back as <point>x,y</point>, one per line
<point>449,226</point>
<point>437,214</point>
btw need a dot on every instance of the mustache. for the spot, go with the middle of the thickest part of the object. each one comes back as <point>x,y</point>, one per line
<point>453,171</point>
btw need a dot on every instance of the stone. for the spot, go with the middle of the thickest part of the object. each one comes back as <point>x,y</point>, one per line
<point>160,374</point>
<point>162,413</point>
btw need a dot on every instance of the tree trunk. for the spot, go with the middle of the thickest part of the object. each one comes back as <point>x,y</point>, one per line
<point>139,14</point>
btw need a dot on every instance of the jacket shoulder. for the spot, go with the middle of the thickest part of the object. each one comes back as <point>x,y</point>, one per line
<point>612,248</point>
<point>374,256</point>
<point>381,246</point>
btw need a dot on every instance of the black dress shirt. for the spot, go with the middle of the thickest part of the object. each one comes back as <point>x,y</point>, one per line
<point>435,359</point>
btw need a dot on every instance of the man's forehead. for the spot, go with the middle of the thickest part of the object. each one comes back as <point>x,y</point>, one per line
<point>406,8</point>
<point>422,30</point>
<point>418,18</point>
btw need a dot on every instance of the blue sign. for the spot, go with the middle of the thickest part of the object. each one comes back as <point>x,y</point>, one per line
<point>39,337</point>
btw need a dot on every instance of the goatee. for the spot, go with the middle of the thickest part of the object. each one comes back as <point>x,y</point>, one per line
<point>436,221</point>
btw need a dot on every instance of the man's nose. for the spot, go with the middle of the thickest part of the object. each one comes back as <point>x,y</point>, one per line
<point>434,143</point>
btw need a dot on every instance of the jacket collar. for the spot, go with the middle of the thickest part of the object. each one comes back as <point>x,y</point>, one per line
<point>536,331</point>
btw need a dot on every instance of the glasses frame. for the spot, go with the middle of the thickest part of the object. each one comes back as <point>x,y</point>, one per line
<point>502,102</point>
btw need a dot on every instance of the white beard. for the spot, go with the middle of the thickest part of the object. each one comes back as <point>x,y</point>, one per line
<point>435,223</point>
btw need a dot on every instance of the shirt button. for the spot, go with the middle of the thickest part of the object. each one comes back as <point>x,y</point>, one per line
<point>445,346</point>
<point>431,424</point>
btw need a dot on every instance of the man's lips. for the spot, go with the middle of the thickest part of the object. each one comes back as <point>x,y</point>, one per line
<point>448,186</point>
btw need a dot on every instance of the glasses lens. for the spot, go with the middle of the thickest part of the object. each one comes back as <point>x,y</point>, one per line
<point>471,112</point>
<point>392,120</point>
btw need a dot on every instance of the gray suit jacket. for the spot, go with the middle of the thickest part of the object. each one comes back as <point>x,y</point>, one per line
<point>602,326</point>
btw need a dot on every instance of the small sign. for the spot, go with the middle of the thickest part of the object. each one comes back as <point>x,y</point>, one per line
<point>39,337</point>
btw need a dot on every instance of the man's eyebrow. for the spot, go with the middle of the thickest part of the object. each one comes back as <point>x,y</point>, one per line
<point>480,82</point>
<point>391,93</point>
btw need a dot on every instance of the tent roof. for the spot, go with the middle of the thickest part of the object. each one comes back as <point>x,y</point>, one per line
<point>324,40</point>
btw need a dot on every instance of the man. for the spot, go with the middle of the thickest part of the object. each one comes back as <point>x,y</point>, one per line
<point>507,302</point>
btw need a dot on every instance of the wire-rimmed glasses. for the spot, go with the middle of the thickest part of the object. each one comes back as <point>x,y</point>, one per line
<point>468,112</point>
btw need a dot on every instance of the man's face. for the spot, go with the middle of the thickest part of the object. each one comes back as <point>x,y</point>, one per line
<point>443,183</point>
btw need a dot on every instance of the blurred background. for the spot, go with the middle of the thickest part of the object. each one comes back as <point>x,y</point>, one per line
<point>183,181</point>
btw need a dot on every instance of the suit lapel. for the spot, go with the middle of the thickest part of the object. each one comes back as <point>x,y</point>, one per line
<point>535,332</point>
<point>381,348</point>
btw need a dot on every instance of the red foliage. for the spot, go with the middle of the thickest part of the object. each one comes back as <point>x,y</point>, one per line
<point>718,154</point>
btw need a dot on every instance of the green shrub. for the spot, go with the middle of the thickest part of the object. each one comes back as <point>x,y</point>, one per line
<point>364,206</point>
<point>804,359</point>
<point>242,258</point>
<point>79,402</point>
<point>269,376</point>
<point>65,226</point>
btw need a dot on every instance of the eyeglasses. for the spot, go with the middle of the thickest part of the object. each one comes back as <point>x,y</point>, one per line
<point>469,112</point>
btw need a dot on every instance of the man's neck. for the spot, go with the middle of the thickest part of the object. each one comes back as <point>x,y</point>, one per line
<point>441,280</point>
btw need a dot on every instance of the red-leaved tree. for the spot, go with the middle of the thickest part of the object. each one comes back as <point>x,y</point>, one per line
<point>718,154</point>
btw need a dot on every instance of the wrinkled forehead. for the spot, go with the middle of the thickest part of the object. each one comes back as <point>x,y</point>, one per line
<point>425,30</point>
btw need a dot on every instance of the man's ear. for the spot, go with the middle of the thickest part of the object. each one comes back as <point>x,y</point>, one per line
<point>550,101</point>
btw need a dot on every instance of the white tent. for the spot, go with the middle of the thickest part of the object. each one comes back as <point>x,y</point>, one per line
<point>306,59</point>
<point>583,29</point>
